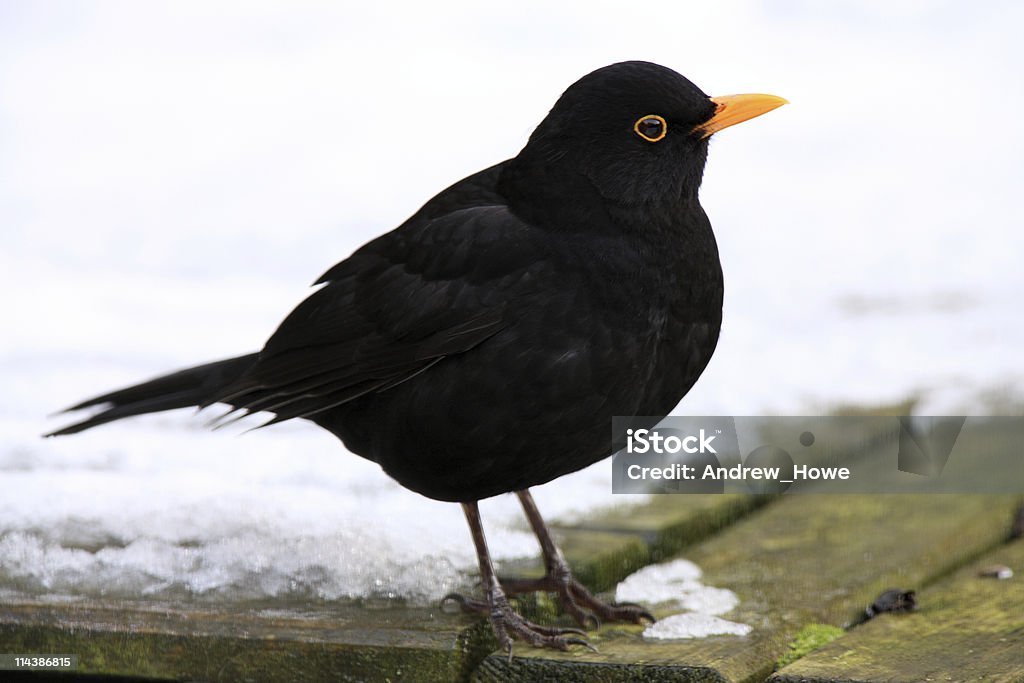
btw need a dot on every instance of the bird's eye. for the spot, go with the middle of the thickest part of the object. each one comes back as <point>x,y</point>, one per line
<point>651,127</point>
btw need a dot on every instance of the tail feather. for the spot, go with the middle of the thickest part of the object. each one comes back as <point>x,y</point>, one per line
<point>190,387</point>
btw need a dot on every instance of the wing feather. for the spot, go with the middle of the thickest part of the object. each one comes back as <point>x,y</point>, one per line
<point>394,309</point>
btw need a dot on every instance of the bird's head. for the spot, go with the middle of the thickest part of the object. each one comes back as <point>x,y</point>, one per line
<point>636,132</point>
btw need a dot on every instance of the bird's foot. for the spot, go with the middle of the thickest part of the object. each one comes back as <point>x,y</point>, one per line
<point>576,600</point>
<point>507,624</point>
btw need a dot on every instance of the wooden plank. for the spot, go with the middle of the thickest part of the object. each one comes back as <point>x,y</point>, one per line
<point>309,642</point>
<point>257,643</point>
<point>966,627</point>
<point>803,560</point>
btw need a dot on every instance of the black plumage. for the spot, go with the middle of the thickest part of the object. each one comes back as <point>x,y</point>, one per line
<point>485,344</point>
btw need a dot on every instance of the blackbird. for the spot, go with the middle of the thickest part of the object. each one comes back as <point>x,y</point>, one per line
<point>485,344</point>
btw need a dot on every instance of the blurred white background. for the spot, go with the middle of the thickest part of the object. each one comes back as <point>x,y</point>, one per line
<point>173,175</point>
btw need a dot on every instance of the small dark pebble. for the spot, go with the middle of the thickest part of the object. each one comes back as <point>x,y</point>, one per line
<point>892,600</point>
<point>996,571</point>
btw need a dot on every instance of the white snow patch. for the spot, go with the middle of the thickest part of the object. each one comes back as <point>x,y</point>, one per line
<point>678,583</point>
<point>694,625</point>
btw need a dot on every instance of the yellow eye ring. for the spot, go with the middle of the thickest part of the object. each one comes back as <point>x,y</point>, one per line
<point>651,127</point>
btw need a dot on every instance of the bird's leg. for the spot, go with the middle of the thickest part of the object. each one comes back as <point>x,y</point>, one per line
<point>574,598</point>
<point>505,622</point>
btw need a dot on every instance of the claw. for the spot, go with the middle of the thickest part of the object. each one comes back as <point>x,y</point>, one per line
<point>577,601</point>
<point>577,641</point>
<point>454,597</point>
<point>508,625</point>
<point>466,605</point>
<point>558,630</point>
<point>644,614</point>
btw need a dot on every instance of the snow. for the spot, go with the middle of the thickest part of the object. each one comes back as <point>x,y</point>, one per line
<point>173,175</point>
<point>693,625</point>
<point>678,584</point>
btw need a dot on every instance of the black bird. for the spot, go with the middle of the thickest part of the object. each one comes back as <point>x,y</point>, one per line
<point>485,344</point>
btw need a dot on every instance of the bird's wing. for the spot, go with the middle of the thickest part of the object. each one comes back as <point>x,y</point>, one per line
<point>403,302</point>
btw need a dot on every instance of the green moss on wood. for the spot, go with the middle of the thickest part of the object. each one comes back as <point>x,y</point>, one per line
<point>808,639</point>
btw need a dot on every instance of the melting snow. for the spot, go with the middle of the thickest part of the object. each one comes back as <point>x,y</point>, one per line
<point>678,583</point>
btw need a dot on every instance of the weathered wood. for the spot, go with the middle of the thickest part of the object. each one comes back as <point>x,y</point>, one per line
<point>966,628</point>
<point>276,642</point>
<point>806,559</point>
<point>236,644</point>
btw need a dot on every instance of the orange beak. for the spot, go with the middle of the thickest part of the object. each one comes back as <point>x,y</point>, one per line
<point>733,109</point>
